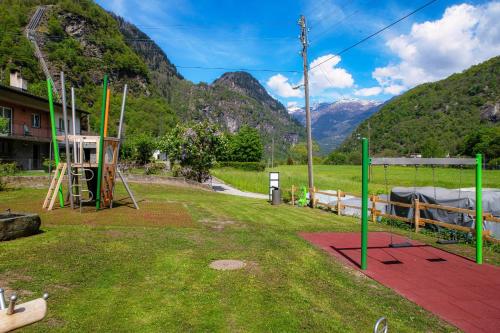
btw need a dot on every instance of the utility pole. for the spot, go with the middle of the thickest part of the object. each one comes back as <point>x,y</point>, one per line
<point>304,41</point>
<point>272,153</point>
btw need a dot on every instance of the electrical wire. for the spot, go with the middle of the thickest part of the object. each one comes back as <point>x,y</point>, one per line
<point>239,69</point>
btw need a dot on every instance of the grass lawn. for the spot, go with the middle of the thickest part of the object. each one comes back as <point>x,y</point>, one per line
<point>348,177</point>
<point>123,270</point>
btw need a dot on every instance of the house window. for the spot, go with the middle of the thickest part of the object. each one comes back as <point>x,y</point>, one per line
<point>61,125</point>
<point>5,126</point>
<point>35,120</point>
<point>4,147</point>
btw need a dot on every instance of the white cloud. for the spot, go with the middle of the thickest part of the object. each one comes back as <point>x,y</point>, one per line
<point>394,89</point>
<point>325,75</point>
<point>279,84</point>
<point>464,36</point>
<point>365,92</point>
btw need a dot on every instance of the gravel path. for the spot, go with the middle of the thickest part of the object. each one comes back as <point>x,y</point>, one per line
<point>221,187</point>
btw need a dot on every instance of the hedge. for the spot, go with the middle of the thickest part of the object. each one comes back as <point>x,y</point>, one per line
<point>247,166</point>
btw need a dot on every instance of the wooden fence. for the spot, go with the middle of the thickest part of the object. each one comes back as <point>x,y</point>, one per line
<point>417,221</point>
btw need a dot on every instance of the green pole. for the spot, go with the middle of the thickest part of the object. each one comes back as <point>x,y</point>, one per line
<point>479,209</point>
<point>364,203</point>
<point>101,144</point>
<point>54,135</point>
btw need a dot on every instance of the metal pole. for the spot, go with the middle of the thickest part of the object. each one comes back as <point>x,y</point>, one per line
<point>479,209</point>
<point>101,144</point>
<point>129,191</point>
<point>272,153</point>
<point>54,135</point>
<point>73,116</point>
<point>364,203</point>
<point>303,39</point>
<point>120,128</point>
<point>66,141</point>
<point>122,112</point>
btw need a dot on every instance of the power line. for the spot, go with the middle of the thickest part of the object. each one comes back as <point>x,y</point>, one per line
<point>239,69</point>
<point>375,33</point>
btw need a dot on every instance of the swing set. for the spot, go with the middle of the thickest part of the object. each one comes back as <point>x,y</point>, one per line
<point>368,161</point>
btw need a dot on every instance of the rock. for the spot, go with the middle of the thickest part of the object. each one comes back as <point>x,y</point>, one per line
<point>227,264</point>
<point>15,225</point>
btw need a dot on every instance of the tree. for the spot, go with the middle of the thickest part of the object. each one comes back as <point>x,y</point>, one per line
<point>4,125</point>
<point>144,147</point>
<point>336,158</point>
<point>432,148</point>
<point>246,145</point>
<point>298,152</point>
<point>485,141</point>
<point>196,147</point>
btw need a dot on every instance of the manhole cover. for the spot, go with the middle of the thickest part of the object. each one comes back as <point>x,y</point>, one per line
<point>227,265</point>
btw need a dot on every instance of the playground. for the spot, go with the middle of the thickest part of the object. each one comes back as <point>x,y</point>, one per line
<point>119,270</point>
<point>192,259</point>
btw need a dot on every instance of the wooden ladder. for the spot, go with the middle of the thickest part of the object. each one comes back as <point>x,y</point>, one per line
<point>55,184</point>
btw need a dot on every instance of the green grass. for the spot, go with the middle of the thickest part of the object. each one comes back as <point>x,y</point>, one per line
<point>348,177</point>
<point>143,271</point>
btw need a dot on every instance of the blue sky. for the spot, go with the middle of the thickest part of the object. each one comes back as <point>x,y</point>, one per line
<point>446,37</point>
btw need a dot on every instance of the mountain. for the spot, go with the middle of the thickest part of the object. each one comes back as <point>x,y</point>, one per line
<point>85,41</point>
<point>233,100</point>
<point>331,123</point>
<point>434,118</point>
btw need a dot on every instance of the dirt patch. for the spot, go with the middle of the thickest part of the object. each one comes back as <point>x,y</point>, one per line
<point>54,322</point>
<point>252,267</point>
<point>227,265</point>
<point>9,278</point>
<point>218,225</point>
<point>150,214</point>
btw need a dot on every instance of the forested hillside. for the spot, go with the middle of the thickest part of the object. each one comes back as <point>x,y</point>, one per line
<point>436,119</point>
<point>85,41</point>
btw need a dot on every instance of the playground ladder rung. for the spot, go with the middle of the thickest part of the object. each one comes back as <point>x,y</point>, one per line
<point>55,185</point>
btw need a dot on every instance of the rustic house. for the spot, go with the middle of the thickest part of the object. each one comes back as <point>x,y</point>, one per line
<point>26,133</point>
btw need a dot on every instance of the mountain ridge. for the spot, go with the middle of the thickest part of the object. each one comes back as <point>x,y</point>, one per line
<point>434,118</point>
<point>331,123</point>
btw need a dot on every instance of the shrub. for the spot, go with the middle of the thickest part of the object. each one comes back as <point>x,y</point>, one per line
<point>144,146</point>
<point>155,168</point>
<point>176,170</point>
<point>6,169</point>
<point>247,166</point>
<point>336,158</point>
<point>494,163</point>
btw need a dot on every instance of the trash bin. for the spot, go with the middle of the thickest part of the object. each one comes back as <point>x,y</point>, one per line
<point>276,196</point>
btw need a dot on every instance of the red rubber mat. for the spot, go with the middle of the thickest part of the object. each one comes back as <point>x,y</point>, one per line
<point>454,288</point>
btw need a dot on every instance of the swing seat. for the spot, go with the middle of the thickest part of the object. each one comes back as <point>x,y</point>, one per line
<point>400,245</point>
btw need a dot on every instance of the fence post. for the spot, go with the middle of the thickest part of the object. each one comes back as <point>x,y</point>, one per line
<point>293,195</point>
<point>416,214</point>
<point>312,196</point>
<point>374,208</point>
<point>339,203</point>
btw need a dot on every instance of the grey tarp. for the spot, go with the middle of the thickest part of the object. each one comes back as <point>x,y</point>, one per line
<point>464,198</point>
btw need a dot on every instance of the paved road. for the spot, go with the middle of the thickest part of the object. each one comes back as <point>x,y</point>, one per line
<point>220,187</point>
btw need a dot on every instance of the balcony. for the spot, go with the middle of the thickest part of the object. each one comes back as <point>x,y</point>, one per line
<point>28,133</point>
